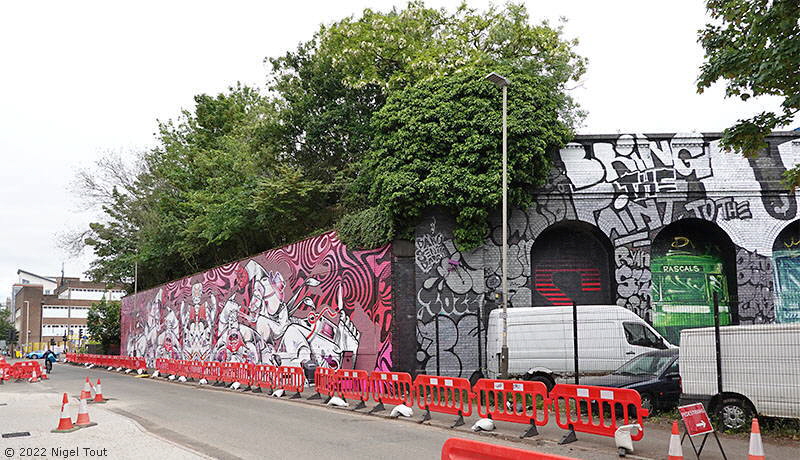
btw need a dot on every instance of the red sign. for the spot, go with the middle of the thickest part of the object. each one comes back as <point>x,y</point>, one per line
<point>695,419</point>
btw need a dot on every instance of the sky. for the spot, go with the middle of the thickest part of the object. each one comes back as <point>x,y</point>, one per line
<point>80,79</point>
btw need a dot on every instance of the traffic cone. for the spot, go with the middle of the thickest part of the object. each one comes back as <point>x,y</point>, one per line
<point>98,394</point>
<point>83,415</point>
<point>756,451</point>
<point>86,393</point>
<point>675,449</point>
<point>65,423</point>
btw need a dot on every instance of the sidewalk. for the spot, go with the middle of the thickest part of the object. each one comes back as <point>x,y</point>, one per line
<point>114,436</point>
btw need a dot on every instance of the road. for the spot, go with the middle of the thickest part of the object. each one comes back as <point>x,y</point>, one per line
<point>229,425</point>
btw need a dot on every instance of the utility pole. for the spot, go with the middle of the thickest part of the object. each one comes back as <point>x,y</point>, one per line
<point>502,82</point>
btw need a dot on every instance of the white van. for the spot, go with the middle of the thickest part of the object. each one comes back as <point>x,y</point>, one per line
<point>760,371</point>
<point>540,341</point>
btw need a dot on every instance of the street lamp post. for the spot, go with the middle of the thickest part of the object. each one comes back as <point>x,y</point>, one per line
<point>502,82</point>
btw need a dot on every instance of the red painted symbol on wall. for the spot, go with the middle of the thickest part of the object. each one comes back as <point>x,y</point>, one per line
<point>548,288</point>
<point>695,419</point>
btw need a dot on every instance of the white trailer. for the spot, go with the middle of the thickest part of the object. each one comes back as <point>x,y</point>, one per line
<point>760,371</point>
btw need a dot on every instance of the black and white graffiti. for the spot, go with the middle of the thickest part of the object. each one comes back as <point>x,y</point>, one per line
<point>629,188</point>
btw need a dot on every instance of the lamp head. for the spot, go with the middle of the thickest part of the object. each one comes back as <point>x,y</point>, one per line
<point>498,79</point>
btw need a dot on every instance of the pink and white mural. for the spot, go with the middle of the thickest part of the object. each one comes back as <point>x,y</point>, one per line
<point>313,301</point>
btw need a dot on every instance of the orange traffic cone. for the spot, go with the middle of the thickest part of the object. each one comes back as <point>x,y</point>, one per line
<point>756,451</point>
<point>98,394</point>
<point>65,422</point>
<point>675,449</point>
<point>86,393</point>
<point>83,415</point>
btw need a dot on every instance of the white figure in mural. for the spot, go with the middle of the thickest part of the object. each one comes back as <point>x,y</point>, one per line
<point>232,345</point>
<point>145,342</point>
<point>316,338</point>
<point>265,325</point>
<point>198,319</point>
<point>169,345</point>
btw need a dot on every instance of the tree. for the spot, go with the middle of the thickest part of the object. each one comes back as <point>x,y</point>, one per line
<point>438,143</point>
<point>755,46</point>
<point>6,326</point>
<point>103,323</point>
<point>331,86</point>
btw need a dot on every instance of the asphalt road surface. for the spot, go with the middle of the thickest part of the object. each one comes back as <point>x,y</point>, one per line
<point>227,425</point>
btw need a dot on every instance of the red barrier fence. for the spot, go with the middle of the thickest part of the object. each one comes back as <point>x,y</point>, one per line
<point>594,410</point>
<point>513,401</point>
<point>391,388</point>
<point>449,395</point>
<point>353,384</point>
<point>577,408</point>
<point>291,379</point>
<point>325,382</point>
<point>264,377</point>
<point>25,369</point>
<point>467,449</point>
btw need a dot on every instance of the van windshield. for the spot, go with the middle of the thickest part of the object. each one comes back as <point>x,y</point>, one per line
<point>645,365</point>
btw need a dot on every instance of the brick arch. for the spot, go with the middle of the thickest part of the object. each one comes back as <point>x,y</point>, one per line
<point>572,261</point>
<point>685,259</point>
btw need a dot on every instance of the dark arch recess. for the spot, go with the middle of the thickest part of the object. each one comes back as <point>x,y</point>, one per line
<point>572,262</point>
<point>683,240</point>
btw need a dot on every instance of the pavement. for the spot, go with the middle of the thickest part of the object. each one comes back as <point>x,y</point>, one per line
<point>174,420</point>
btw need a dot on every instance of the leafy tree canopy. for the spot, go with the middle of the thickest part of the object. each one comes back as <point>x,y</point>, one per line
<point>438,143</point>
<point>103,323</point>
<point>754,45</point>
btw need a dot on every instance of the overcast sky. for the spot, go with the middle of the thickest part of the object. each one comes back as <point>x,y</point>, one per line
<point>82,78</point>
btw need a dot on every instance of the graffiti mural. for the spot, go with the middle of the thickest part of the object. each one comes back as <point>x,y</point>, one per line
<point>786,274</point>
<point>314,301</point>
<point>628,188</point>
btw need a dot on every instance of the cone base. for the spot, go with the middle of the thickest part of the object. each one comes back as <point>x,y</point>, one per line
<point>68,430</point>
<point>85,425</point>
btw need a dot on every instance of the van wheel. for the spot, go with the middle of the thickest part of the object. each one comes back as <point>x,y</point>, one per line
<point>548,382</point>
<point>734,413</point>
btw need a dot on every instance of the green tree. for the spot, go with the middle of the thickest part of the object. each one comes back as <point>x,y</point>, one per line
<point>103,323</point>
<point>438,143</point>
<point>754,45</point>
<point>6,326</point>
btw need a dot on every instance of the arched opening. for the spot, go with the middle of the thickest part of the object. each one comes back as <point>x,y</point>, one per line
<point>572,262</point>
<point>786,262</point>
<point>692,260</point>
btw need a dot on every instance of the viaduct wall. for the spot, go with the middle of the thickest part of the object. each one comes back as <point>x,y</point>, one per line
<point>654,223</point>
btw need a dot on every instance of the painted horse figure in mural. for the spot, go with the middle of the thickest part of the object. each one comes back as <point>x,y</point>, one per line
<point>265,326</point>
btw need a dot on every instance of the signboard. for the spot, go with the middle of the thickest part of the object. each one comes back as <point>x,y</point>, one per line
<point>695,419</point>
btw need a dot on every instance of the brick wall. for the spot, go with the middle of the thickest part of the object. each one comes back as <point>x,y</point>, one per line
<point>619,200</point>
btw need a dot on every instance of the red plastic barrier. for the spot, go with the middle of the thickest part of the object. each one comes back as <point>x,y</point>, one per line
<point>25,370</point>
<point>228,372</point>
<point>162,366</point>
<point>467,449</point>
<point>513,401</point>
<point>212,371</point>
<point>264,377</point>
<point>353,384</point>
<point>600,407</point>
<point>449,395</point>
<point>291,379</point>
<point>391,388</point>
